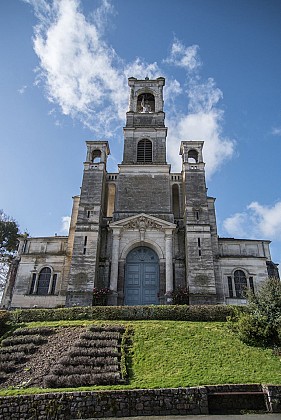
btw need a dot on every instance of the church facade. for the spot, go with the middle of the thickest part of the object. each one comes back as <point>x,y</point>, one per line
<point>142,232</point>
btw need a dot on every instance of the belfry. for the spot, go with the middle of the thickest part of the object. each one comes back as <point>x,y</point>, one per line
<point>143,232</point>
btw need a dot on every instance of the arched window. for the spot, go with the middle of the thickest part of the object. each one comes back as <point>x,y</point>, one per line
<point>192,156</point>
<point>96,156</point>
<point>44,281</point>
<point>240,283</point>
<point>146,103</point>
<point>144,151</point>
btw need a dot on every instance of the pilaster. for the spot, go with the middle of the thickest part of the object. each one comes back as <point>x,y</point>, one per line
<point>169,259</point>
<point>114,266</point>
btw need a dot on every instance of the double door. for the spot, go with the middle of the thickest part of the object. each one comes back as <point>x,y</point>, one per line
<point>142,277</point>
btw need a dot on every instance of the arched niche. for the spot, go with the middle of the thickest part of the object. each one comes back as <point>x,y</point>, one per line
<point>145,103</point>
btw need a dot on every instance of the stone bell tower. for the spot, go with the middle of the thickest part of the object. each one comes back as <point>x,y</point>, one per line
<point>144,175</point>
<point>200,231</point>
<point>85,257</point>
<point>145,119</point>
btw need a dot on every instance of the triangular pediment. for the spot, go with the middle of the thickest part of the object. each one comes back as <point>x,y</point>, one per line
<point>143,221</point>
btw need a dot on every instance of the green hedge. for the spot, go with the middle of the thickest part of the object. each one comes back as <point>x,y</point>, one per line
<point>132,313</point>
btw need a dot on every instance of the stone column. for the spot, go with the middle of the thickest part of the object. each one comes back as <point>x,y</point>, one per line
<point>169,260</point>
<point>114,266</point>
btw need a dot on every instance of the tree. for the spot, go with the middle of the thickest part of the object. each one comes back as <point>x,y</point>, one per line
<point>9,234</point>
<point>261,324</point>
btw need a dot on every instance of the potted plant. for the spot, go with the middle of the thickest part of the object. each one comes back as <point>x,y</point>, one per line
<point>100,296</point>
<point>181,296</point>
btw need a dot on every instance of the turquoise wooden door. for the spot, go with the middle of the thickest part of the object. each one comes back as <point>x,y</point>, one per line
<point>142,277</point>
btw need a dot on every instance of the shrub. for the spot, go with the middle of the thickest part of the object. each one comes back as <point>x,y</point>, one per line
<point>94,352</point>
<point>126,353</point>
<point>103,335</point>
<point>54,381</point>
<point>28,348</point>
<point>101,328</point>
<point>25,339</point>
<point>255,330</point>
<point>3,377</point>
<point>81,369</point>
<point>180,296</point>
<point>8,366</point>
<point>86,361</point>
<point>8,354</point>
<point>96,343</point>
<point>261,325</point>
<point>153,312</point>
<point>34,331</point>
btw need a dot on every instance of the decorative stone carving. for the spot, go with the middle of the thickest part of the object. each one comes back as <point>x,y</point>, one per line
<point>142,223</point>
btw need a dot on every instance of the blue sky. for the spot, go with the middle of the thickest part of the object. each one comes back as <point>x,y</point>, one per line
<point>64,69</point>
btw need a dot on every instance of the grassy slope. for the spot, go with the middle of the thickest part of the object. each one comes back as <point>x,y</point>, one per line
<point>194,353</point>
<point>174,354</point>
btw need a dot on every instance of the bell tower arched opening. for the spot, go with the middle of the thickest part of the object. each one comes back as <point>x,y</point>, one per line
<point>96,156</point>
<point>146,103</point>
<point>192,156</point>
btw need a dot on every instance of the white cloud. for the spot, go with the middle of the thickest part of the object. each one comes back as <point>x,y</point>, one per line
<point>235,225</point>
<point>140,69</point>
<point>203,97</point>
<point>79,70</point>
<point>22,89</point>
<point>267,219</point>
<point>65,224</point>
<point>202,119</point>
<point>86,78</point>
<point>201,126</point>
<point>101,15</point>
<point>182,56</point>
<point>257,221</point>
<point>276,131</point>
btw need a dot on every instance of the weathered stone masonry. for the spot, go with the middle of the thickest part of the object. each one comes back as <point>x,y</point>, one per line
<point>158,402</point>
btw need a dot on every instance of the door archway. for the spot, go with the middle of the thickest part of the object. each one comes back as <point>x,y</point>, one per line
<point>142,277</point>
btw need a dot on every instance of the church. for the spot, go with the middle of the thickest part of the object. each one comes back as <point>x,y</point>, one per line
<point>142,232</point>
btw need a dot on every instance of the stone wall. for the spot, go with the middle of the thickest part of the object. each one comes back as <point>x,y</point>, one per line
<point>161,402</point>
<point>105,404</point>
<point>132,197</point>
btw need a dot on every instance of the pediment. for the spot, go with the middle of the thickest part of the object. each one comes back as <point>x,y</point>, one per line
<point>142,221</point>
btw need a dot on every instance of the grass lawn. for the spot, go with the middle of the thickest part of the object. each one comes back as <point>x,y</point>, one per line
<point>179,354</point>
